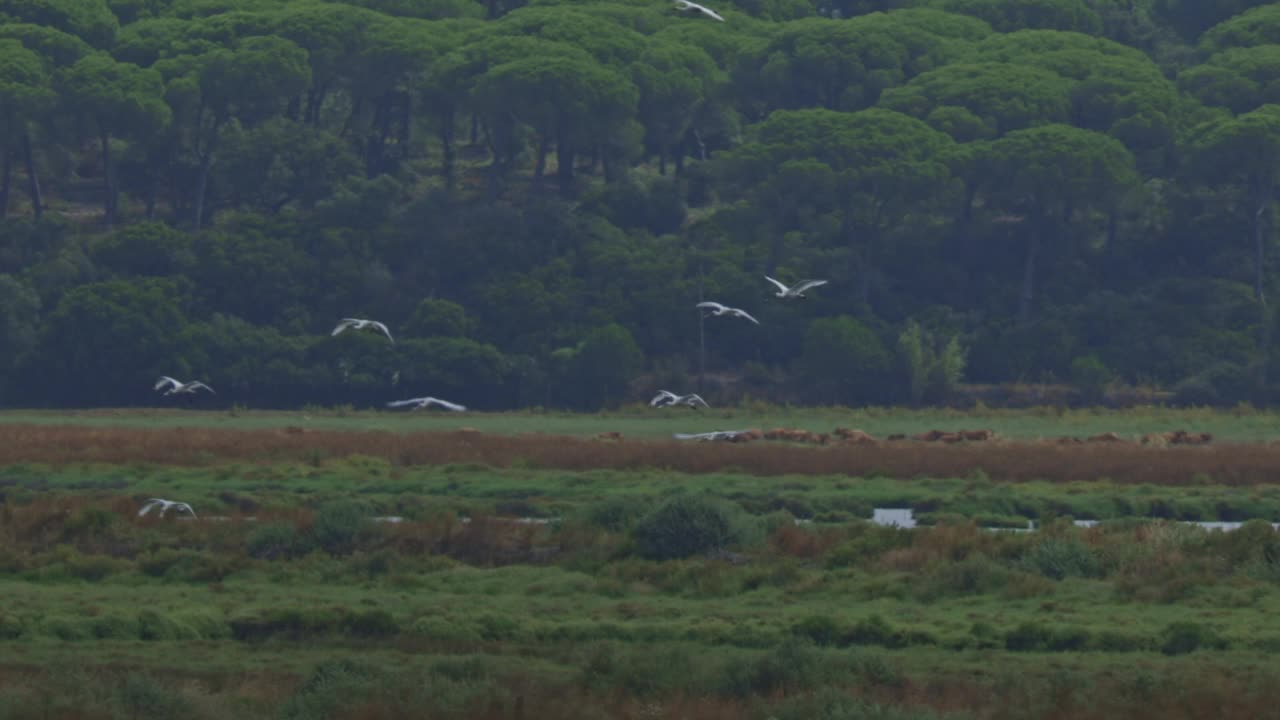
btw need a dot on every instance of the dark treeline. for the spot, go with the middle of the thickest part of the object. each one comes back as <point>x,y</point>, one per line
<point>533,197</point>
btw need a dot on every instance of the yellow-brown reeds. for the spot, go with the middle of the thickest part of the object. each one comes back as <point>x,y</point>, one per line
<point>1229,464</point>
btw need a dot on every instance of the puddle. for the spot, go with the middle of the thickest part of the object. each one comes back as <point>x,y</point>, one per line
<point>905,518</point>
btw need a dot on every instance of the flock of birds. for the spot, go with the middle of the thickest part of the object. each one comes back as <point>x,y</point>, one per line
<point>664,398</point>
<point>173,386</point>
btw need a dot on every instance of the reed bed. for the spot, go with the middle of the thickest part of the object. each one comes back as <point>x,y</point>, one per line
<point>1121,462</point>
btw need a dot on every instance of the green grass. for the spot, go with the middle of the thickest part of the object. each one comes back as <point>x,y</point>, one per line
<point>643,422</point>
<point>421,491</point>
<point>1106,622</point>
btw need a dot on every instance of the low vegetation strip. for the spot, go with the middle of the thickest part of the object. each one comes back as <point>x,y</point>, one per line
<point>1228,464</point>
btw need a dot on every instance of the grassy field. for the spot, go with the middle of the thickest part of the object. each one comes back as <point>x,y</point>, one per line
<point>664,580</point>
<point>1245,425</point>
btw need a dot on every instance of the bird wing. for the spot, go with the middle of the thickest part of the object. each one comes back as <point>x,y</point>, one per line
<point>745,314</point>
<point>781,287</point>
<point>711,305</point>
<point>346,323</point>
<point>809,284</point>
<point>165,379</point>
<point>662,395</point>
<point>188,508</point>
<point>402,403</point>
<point>197,384</point>
<point>384,329</point>
<point>697,398</point>
<point>146,508</point>
<point>445,404</point>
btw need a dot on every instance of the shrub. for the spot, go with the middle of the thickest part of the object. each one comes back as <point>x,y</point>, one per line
<point>339,524</point>
<point>1058,559</point>
<point>276,541</point>
<point>617,514</point>
<point>1184,637</point>
<point>820,629</point>
<point>141,696</point>
<point>687,525</point>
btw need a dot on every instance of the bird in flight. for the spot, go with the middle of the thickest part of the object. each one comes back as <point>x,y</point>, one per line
<point>666,398</point>
<point>358,324</point>
<point>687,5</point>
<point>797,290</point>
<point>424,402</point>
<point>164,505</point>
<point>180,387</point>
<point>718,309</point>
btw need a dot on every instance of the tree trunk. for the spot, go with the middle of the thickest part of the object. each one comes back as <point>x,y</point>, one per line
<point>33,180</point>
<point>1029,276</point>
<point>6,176</point>
<point>540,165</point>
<point>1259,254</point>
<point>662,160</point>
<point>564,164</point>
<point>108,172</point>
<point>446,146</point>
<point>679,154</point>
<point>202,185</point>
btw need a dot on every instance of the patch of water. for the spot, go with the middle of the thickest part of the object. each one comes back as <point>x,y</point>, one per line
<point>905,518</point>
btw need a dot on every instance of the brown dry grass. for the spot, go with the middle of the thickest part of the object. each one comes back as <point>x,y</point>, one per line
<point>1229,464</point>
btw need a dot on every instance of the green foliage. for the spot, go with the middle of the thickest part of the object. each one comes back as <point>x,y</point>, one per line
<point>933,369</point>
<point>688,525</point>
<point>339,525</point>
<point>845,360</point>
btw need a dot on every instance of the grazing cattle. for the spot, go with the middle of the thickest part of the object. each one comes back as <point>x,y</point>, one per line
<point>978,435</point>
<point>853,437</point>
<point>951,437</point>
<point>931,436</point>
<point>1107,437</point>
<point>1182,437</point>
<point>1155,439</point>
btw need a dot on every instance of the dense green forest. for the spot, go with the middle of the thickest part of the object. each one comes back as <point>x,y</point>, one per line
<point>533,197</point>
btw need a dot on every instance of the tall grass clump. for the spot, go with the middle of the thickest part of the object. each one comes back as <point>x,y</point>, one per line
<point>339,524</point>
<point>691,524</point>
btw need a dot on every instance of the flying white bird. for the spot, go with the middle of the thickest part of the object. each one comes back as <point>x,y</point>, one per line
<point>795,291</point>
<point>718,309</point>
<point>666,398</point>
<point>687,5</point>
<point>424,402</point>
<point>358,324</point>
<point>721,435</point>
<point>180,387</point>
<point>164,505</point>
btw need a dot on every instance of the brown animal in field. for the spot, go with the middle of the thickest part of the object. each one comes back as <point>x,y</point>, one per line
<point>854,437</point>
<point>610,435</point>
<point>978,435</point>
<point>775,434</point>
<point>1107,437</point>
<point>1158,439</point>
<point>931,436</point>
<point>951,437</point>
<point>1182,437</point>
<point>819,438</point>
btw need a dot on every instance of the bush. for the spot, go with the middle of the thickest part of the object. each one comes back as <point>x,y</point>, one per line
<point>1090,376</point>
<point>1184,637</point>
<point>1057,559</point>
<point>616,514</point>
<point>687,525</point>
<point>339,524</point>
<point>276,541</point>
